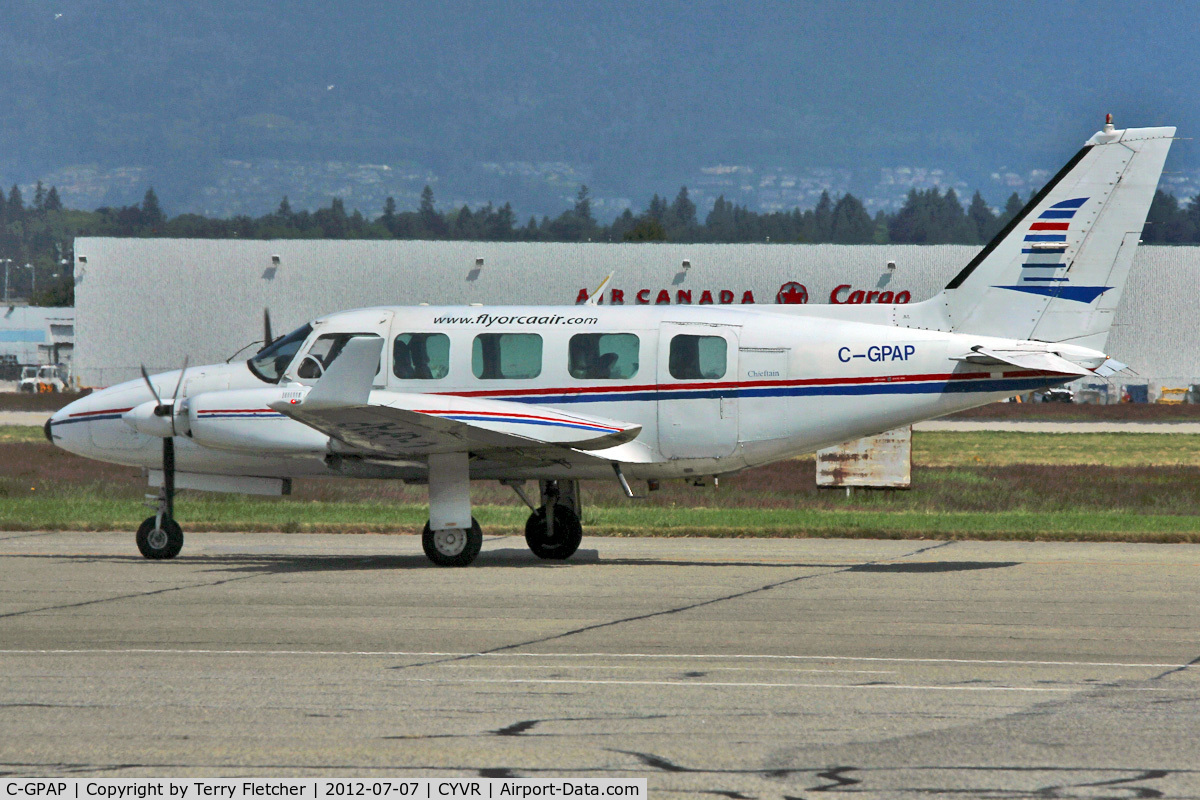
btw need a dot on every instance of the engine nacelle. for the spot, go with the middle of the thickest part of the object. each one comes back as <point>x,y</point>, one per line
<point>147,419</point>
<point>242,420</point>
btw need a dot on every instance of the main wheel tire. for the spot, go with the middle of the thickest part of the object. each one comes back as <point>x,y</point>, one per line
<point>568,533</point>
<point>159,543</point>
<point>454,547</point>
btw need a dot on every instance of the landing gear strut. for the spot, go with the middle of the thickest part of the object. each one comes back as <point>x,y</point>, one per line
<point>160,536</point>
<point>557,534</point>
<point>451,537</point>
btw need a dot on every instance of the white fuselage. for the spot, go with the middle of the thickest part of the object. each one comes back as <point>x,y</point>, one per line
<point>787,385</point>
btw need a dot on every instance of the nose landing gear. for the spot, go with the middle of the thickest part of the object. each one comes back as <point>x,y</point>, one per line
<point>160,537</point>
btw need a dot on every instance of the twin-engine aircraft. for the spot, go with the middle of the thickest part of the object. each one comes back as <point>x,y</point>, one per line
<point>443,396</point>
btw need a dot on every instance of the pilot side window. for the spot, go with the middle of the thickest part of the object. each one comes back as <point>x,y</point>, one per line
<point>323,352</point>
<point>496,356</point>
<point>421,356</point>
<point>270,362</point>
<point>602,356</point>
<point>697,357</point>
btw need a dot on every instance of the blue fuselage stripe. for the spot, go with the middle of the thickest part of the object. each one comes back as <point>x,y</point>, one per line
<point>524,421</point>
<point>55,422</point>
<point>927,387</point>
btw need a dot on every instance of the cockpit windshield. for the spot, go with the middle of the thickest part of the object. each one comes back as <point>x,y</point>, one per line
<point>270,363</point>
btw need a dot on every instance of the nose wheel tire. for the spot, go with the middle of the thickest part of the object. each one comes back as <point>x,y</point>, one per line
<point>562,544</point>
<point>453,547</point>
<point>156,542</point>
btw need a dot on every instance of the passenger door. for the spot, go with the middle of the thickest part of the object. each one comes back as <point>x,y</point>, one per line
<point>697,390</point>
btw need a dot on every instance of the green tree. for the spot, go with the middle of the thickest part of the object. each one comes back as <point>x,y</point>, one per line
<point>583,208</point>
<point>681,216</point>
<point>1193,215</point>
<point>500,225</point>
<point>657,209</point>
<point>53,202</point>
<point>822,220</point>
<point>982,217</point>
<point>429,221</point>
<point>152,215</point>
<point>647,229</point>
<point>850,223</point>
<point>16,205</point>
<point>720,225</point>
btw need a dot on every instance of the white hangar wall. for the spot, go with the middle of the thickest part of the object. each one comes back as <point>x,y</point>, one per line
<point>153,301</point>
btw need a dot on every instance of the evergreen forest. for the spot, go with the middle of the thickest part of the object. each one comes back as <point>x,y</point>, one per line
<point>37,234</point>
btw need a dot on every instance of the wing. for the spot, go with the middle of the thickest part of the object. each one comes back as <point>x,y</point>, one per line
<point>404,425</point>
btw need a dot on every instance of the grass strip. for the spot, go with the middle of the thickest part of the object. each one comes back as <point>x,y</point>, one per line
<point>21,433</point>
<point>1005,448</point>
<point>322,517</point>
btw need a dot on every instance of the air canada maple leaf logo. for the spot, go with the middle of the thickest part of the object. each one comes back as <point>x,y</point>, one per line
<point>792,293</point>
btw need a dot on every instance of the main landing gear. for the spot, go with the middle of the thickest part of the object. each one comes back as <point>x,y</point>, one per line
<point>452,547</point>
<point>557,534</point>
<point>452,537</point>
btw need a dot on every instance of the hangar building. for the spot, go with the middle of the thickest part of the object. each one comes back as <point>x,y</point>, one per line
<point>36,334</point>
<point>155,301</point>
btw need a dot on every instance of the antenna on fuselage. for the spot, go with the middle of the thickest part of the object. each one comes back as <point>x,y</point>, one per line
<point>595,297</point>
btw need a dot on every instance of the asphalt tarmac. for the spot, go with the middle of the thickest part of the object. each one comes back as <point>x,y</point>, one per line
<point>731,668</point>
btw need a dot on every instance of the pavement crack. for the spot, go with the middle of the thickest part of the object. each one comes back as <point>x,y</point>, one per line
<point>517,728</point>
<point>840,781</point>
<point>667,611</point>
<point>134,596</point>
<point>1122,783</point>
<point>1193,663</point>
<point>657,762</point>
<point>27,536</point>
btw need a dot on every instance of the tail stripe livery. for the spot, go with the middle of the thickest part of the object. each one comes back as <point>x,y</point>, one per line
<point>1017,220</point>
<point>1057,270</point>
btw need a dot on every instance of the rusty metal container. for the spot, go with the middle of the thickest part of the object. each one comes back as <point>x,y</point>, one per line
<point>877,462</point>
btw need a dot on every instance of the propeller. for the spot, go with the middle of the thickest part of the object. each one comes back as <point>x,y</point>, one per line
<point>162,409</point>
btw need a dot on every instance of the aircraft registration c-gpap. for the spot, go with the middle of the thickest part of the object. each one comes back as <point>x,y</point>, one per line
<point>555,394</point>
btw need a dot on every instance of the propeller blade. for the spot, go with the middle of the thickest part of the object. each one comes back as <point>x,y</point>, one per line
<point>153,392</point>
<point>267,337</point>
<point>175,397</point>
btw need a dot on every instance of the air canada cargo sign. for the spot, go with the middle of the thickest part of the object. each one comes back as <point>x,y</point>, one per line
<point>790,293</point>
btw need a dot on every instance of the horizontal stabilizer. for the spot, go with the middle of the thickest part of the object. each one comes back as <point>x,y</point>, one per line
<point>1026,359</point>
<point>1110,367</point>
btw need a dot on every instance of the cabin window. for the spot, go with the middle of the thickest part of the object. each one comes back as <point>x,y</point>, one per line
<point>421,356</point>
<point>697,357</point>
<point>512,356</point>
<point>603,356</point>
<point>323,352</point>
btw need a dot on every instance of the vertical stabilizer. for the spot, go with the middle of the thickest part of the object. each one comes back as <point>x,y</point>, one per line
<point>1056,272</point>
